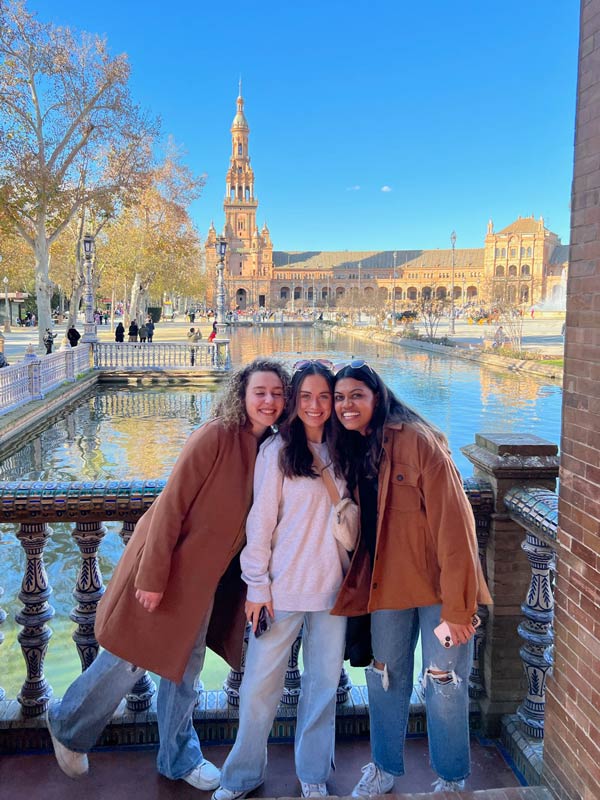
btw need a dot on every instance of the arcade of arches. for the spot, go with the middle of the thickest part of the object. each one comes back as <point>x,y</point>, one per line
<point>524,263</point>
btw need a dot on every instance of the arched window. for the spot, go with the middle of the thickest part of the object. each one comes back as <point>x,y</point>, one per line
<point>441,292</point>
<point>297,293</point>
<point>340,291</point>
<point>524,294</point>
<point>525,270</point>
<point>529,252</point>
<point>240,149</point>
<point>500,271</point>
<point>284,293</point>
<point>412,293</point>
<point>512,271</point>
<point>426,293</point>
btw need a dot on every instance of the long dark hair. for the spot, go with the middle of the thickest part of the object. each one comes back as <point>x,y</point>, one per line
<point>295,457</point>
<point>355,454</point>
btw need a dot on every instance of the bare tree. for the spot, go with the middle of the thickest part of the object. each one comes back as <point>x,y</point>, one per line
<point>70,135</point>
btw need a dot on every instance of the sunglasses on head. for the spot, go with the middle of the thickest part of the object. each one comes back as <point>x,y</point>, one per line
<point>356,363</point>
<point>309,362</point>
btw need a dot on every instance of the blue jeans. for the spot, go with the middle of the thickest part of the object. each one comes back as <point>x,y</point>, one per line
<point>262,685</point>
<point>394,637</point>
<point>91,700</point>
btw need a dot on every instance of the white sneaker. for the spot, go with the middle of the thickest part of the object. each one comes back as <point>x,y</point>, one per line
<point>314,789</point>
<point>447,786</point>
<point>73,764</point>
<point>374,781</point>
<point>204,777</point>
<point>227,794</point>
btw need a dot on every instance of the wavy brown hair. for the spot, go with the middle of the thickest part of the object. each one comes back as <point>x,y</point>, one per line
<point>230,405</point>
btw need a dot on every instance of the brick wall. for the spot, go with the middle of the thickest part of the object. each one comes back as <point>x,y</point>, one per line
<point>572,742</point>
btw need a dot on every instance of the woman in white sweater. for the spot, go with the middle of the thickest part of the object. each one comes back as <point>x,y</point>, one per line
<point>294,567</point>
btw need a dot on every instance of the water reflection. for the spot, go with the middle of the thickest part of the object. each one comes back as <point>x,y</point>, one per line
<point>137,432</point>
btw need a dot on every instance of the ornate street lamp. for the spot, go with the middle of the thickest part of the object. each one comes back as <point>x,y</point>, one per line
<point>221,248</point>
<point>90,333</point>
<point>453,242</point>
<point>394,293</point>
<point>6,309</point>
<point>359,289</point>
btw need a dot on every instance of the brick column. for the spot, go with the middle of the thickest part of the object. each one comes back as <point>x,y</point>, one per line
<point>572,741</point>
<point>505,460</point>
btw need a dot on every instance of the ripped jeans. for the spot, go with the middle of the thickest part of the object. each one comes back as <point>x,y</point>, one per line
<point>394,636</point>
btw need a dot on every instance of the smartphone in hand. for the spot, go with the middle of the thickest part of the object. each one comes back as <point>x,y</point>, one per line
<point>264,622</point>
<point>443,631</point>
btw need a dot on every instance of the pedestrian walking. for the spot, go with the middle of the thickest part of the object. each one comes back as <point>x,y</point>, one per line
<point>119,332</point>
<point>48,340</point>
<point>73,336</point>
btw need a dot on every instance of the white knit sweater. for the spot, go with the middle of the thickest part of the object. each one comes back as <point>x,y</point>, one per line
<point>291,557</point>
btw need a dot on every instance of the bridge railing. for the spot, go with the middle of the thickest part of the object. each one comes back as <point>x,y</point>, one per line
<point>511,493</point>
<point>160,355</point>
<point>35,376</point>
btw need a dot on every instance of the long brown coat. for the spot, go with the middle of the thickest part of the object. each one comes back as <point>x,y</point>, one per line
<point>426,547</point>
<point>184,546</point>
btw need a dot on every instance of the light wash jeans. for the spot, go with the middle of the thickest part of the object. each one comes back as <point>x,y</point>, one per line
<point>91,700</point>
<point>266,662</point>
<point>394,637</point>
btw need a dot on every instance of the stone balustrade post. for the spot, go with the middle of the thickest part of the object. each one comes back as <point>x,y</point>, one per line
<point>2,619</point>
<point>506,460</point>
<point>291,686</point>
<point>233,681</point>
<point>88,589</point>
<point>140,697</point>
<point>69,356</point>
<point>35,380</point>
<point>537,634</point>
<point>36,692</point>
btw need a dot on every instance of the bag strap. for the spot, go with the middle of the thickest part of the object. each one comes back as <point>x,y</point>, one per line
<point>334,495</point>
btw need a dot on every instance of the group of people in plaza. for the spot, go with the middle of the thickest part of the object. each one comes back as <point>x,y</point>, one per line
<point>143,332</point>
<point>315,501</point>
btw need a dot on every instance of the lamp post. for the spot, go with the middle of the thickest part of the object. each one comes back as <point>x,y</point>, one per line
<point>394,292</point>
<point>313,297</point>
<point>221,248</point>
<point>6,309</point>
<point>453,242</point>
<point>359,288</point>
<point>89,328</point>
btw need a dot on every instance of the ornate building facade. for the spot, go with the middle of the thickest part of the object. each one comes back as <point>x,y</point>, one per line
<point>522,264</point>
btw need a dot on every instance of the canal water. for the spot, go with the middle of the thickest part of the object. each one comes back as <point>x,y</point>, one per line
<point>137,432</point>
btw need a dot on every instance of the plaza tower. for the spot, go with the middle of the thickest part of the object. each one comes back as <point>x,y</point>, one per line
<point>249,259</point>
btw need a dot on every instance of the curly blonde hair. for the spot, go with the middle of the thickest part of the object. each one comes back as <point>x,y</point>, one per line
<point>230,405</point>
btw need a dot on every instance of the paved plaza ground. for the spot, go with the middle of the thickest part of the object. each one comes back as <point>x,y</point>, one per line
<point>542,334</point>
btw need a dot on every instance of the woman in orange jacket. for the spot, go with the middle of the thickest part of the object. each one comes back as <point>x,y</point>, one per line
<point>415,569</point>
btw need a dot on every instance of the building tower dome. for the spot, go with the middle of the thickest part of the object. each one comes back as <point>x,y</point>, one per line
<point>239,121</point>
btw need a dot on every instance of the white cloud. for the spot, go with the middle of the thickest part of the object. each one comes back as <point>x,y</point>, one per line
<point>386,188</point>
<point>353,188</point>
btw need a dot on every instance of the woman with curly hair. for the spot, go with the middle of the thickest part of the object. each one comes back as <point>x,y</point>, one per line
<point>294,567</point>
<point>177,587</point>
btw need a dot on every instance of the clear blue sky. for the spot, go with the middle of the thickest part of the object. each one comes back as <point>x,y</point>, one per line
<point>463,110</point>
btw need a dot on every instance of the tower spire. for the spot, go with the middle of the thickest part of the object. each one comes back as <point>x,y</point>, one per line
<point>240,86</point>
